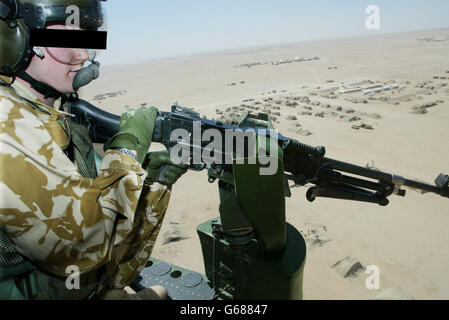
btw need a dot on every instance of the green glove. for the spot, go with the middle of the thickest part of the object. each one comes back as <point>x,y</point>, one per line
<point>136,131</point>
<point>161,169</point>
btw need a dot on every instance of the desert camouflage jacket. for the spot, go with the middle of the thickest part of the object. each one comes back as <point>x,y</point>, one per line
<point>58,218</point>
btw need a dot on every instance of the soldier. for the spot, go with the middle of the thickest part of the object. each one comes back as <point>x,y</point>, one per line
<point>58,212</point>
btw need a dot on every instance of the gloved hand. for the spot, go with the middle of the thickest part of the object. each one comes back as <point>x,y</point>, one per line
<point>161,169</point>
<point>136,131</point>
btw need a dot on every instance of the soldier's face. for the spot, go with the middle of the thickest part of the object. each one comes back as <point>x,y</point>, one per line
<point>59,65</point>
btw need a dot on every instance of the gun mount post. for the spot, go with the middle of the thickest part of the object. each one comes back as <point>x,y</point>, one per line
<point>251,252</point>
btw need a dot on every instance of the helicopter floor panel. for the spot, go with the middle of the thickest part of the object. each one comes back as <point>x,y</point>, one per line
<point>181,284</point>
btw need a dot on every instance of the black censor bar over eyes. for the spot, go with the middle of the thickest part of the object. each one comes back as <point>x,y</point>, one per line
<point>82,39</point>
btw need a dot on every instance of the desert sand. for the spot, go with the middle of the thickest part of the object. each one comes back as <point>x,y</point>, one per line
<point>315,92</point>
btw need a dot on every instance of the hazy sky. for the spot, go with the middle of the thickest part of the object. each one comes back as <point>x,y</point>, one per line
<point>140,30</point>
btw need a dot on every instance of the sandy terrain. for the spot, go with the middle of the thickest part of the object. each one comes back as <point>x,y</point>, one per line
<point>401,130</point>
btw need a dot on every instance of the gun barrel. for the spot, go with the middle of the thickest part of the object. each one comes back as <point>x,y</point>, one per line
<point>357,170</point>
<point>422,186</point>
<point>378,175</point>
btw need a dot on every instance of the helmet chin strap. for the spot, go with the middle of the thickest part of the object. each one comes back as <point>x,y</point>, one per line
<point>41,87</point>
<point>83,77</point>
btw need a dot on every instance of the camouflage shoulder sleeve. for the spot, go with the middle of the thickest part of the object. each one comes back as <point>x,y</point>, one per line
<point>55,216</point>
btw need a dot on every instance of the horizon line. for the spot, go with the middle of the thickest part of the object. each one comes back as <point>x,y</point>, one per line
<point>263,46</point>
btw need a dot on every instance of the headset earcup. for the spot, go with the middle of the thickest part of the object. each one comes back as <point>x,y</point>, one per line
<point>15,49</point>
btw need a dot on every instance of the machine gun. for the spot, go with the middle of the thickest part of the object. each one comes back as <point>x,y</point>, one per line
<point>250,252</point>
<point>303,164</point>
